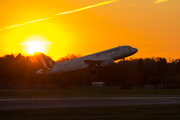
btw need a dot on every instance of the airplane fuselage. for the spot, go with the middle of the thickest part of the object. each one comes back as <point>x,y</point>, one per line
<point>103,58</point>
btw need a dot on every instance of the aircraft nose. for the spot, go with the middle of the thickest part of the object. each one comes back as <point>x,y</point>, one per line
<point>135,50</point>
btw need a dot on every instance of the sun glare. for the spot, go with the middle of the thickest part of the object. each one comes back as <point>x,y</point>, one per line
<point>35,46</point>
<point>35,43</point>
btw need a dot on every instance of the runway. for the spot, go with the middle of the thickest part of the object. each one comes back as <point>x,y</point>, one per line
<point>15,104</point>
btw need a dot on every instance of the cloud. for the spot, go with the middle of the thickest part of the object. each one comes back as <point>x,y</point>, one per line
<point>160,1</point>
<point>76,10</point>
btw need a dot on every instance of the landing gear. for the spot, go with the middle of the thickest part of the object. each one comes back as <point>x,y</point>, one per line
<point>93,70</point>
<point>124,61</point>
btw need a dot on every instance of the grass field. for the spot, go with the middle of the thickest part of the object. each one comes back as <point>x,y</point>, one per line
<point>156,112</point>
<point>89,93</point>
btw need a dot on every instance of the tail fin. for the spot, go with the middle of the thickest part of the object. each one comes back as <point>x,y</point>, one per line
<point>44,61</point>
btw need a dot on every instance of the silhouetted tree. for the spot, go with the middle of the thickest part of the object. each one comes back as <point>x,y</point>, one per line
<point>21,70</point>
<point>162,65</point>
<point>178,64</point>
<point>141,71</point>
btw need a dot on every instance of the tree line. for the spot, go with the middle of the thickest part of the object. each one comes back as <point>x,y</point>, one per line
<point>21,70</point>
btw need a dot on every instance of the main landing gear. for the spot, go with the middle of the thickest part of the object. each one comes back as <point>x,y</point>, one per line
<point>124,61</point>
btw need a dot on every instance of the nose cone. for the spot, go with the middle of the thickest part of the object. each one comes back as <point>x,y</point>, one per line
<point>135,49</point>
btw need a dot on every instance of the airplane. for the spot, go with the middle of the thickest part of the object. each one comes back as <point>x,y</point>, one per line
<point>93,61</point>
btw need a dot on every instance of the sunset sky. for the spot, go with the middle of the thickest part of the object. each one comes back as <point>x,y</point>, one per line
<point>77,27</point>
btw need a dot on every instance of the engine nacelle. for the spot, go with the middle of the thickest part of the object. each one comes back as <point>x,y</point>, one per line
<point>84,67</point>
<point>107,63</point>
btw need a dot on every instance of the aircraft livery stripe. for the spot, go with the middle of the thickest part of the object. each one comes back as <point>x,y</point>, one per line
<point>39,61</point>
<point>46,60</point>
<point>52,63</point>
<point>44,63</point>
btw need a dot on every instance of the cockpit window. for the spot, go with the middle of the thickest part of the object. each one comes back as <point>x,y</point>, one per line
<point>129,47</point>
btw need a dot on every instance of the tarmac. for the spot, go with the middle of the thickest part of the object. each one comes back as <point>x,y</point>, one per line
<point>17,104</point>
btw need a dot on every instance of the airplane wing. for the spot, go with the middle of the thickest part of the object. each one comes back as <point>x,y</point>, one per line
<point>91,63</point>
<point>98,63</point>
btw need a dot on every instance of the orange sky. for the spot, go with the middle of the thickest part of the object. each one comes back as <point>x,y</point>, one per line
<point>152,26</point>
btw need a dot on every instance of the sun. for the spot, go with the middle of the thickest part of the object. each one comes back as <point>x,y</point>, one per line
<point>35,43</point>
<point>35,46</point>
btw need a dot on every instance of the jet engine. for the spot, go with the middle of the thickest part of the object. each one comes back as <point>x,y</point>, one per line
<point>107,63</point>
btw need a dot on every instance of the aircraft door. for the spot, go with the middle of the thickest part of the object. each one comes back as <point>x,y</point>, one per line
<point>120,50</point>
